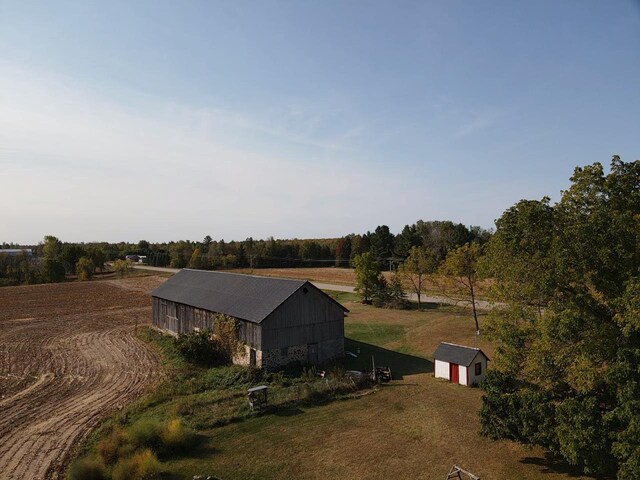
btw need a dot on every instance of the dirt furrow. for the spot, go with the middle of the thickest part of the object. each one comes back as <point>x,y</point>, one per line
<point>68,357</point>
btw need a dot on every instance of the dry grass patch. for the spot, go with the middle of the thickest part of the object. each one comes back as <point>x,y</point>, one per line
<point>344,276</point>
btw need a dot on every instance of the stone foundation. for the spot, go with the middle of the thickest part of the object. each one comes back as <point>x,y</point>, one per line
<point>279,357</point>
<point>272,359</point>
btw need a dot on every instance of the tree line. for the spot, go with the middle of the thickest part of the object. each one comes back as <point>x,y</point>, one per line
<point>388,249</point>
<point>53,260</point>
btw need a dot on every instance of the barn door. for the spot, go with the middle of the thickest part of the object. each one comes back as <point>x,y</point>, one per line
<point>312,353</point>
<point>252,357</point>
<point>454,373</point>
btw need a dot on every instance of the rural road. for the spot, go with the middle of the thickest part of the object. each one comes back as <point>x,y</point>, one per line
<point>480,304</point>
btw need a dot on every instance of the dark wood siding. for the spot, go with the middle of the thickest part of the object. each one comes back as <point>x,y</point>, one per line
<point>303,319</point>
<point>180,318</point>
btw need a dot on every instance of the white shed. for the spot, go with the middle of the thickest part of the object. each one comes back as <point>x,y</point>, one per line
<point>460,364</point>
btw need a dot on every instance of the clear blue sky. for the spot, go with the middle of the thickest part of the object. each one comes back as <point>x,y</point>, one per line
<point>167,120</point>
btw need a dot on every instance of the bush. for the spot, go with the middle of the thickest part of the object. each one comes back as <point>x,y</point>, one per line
<point>87,469</point>
<point>121,267</point>
<point>161,437</point>
<point>144,465</point>
<point>111,448</point>
<point>205,348</point>
<point>176,437</point>
<point>85,268</point>
<point>199,347</point>
<point>145,433</point>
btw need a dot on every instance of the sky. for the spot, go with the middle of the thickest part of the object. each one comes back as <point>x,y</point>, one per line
<point>166,120</point>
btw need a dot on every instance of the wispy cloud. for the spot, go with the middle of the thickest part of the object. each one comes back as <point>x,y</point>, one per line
<point>475,122</point>
<point>86,167</point>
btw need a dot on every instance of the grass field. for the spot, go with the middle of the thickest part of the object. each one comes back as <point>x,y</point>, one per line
<point>415,427</point>
<point>346,276</point>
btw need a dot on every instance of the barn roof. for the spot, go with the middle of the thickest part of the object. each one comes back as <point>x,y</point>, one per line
<point>247,297</point>
<point>458,354</point>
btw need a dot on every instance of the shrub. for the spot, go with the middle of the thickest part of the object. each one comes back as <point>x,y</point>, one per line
<point>198,347</point>
<point>144,465</point>
<point>176,436</point>
<point>145,433</point>
<point>85,268</point>
<point>111,447</point>
<point>206,348</point>
<point>87,469</point>
<point>121,267</point>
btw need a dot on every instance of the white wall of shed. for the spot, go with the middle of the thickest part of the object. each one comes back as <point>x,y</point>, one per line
<point>473,378</point>
<point>441,369</point>
<point>462,375</point>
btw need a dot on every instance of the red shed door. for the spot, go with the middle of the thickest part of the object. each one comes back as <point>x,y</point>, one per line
<point>454,374</point>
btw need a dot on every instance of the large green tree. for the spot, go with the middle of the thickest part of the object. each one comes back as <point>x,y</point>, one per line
<point>566,373</point>
<point>382,242</point>
<point>52,266</point>
<point>368,277</point>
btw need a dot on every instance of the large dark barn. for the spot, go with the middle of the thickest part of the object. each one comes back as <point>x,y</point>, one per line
<point>279,320</point>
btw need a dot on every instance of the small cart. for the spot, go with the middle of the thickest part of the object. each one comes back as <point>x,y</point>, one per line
<point>257,397</point>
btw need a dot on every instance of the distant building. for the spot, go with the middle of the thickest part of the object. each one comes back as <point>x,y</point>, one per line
<point>16,251</point>
<point>279,321</point>
<point>132,258</point>
<point>460,364</point>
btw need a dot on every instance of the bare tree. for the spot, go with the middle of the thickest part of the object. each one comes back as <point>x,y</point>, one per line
<point>420,263</point>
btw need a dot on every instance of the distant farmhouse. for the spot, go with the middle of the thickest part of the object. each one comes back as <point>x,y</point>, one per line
<point>460,364</point>
<point>16,251</point>
<point>136,258</point>
<point>280,321</point>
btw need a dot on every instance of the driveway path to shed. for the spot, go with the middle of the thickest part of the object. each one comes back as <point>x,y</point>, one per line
<point>480,304</point>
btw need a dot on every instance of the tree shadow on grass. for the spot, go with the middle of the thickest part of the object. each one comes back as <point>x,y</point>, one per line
<point>287,411</point>
<point>201,448</point>
<point>428,305</point>
<point>551,464</point>
<point>400,363</point>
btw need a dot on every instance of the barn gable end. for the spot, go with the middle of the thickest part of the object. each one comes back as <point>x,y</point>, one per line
<point>308,326</point>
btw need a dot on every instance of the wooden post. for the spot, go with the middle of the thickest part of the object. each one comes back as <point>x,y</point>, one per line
<point>373,363</point>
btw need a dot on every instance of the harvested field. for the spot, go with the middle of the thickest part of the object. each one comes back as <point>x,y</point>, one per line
<point>68,357</point>
<point>339,276</point>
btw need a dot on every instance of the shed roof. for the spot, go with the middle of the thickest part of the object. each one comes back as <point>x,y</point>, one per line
<point>458,354</point>
<point>247,297</point>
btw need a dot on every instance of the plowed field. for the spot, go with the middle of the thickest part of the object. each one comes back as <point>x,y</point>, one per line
<point>68,357</point>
